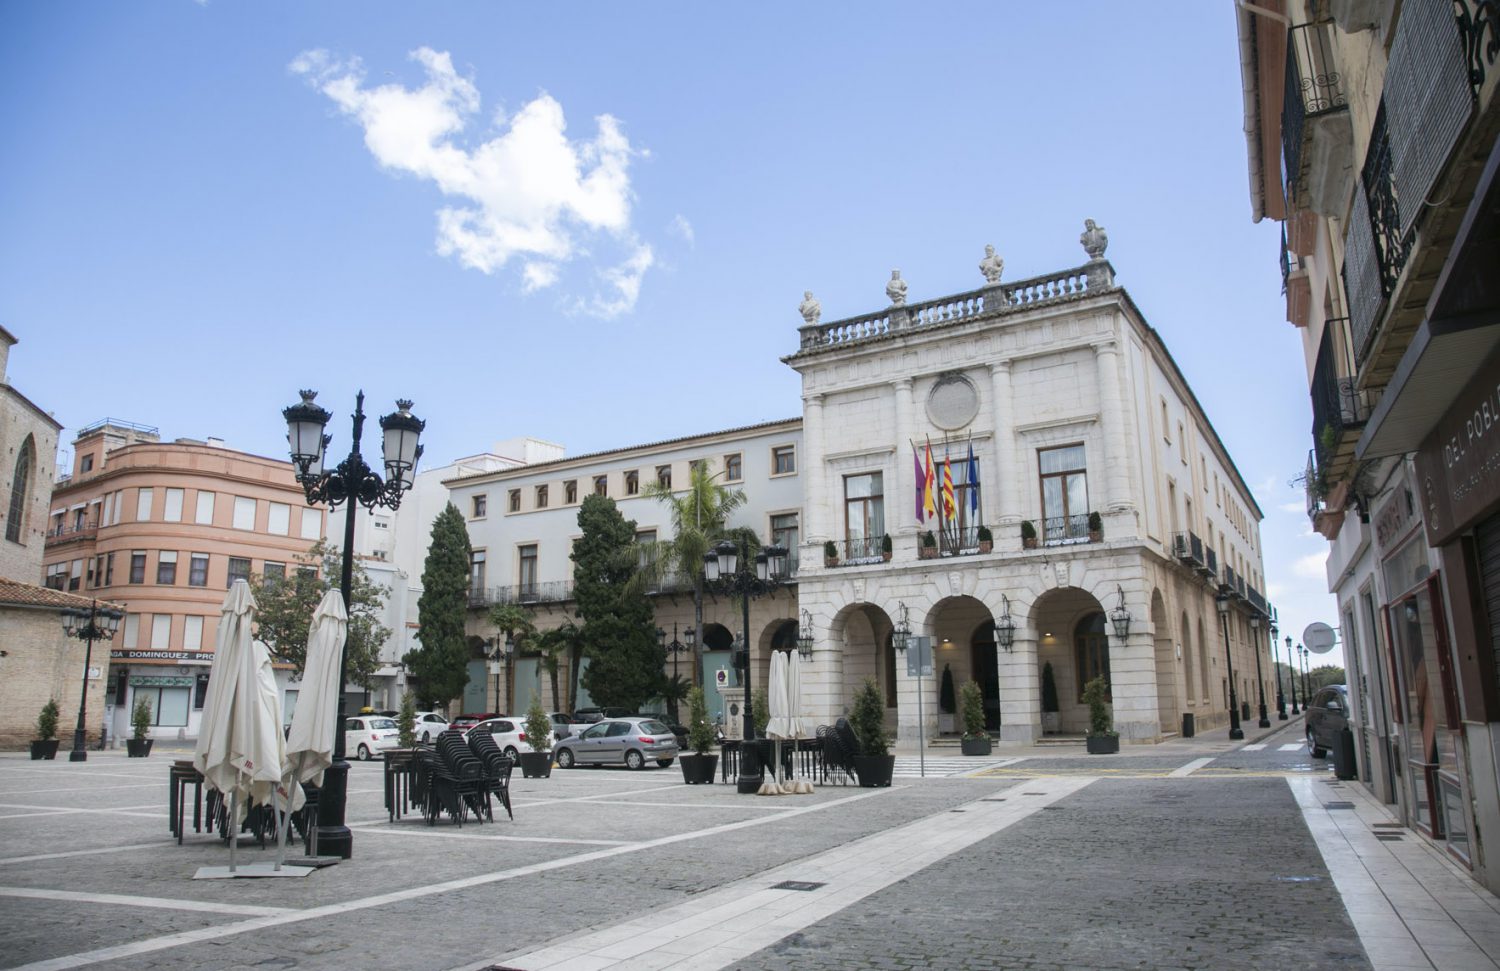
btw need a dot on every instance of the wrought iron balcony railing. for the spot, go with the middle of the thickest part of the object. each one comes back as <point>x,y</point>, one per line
<point>1059,530</point>
<point>556,591</point>
<point>1313,88</point>
<point>860,549</point>
<point>953,541</point>
<point>1188,548</point>
<point>1210,562</point>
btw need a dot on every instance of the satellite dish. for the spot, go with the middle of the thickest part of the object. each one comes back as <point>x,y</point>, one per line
<point>1319,637</point>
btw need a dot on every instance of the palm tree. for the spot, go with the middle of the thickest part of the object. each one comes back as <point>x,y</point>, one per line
<point>554,643</point>
<point>698,516</point>
<point>515,623</point>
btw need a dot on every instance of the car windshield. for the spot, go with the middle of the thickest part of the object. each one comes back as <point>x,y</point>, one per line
<point>381,723</point>
<point>655,727</point>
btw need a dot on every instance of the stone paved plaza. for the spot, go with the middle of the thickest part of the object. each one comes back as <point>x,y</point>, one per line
<point>1191,854</point>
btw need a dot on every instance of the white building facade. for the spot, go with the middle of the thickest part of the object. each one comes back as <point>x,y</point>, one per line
<point>1072,407</point>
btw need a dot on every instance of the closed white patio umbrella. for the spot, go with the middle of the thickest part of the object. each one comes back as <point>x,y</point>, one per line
<point>309,741</point>
<point>780,725</point>
<point>800,724</point>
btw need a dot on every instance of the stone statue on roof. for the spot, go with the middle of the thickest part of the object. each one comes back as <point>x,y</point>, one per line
<point>992,265</point>
<point>896,289</point>
<point>810,309</point>
<point>1094,240</point>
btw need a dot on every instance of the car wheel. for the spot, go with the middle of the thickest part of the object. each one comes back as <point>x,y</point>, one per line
<point>564,758</point>
<point>634,760</point>
<point>512,754</point>
<point>364,753</point>
<point>1313,748</point>
<point>664,763</point>
<point>426,737</point>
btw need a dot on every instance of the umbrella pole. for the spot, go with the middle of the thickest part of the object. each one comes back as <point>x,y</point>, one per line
<point>282,821</point>
<point>234,836</point>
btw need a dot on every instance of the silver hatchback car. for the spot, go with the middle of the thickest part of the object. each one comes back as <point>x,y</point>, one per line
<point>618,741</point>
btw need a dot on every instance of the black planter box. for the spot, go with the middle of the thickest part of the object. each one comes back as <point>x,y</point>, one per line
<point>874,771</point>
<point>536,765</point>
<point>138,748</point>
<point>1103,744</point>
<point>43,748</point>
<point>976,746</point>
<point>698,769</point>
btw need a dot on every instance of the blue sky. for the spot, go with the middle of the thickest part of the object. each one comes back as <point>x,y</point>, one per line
<point>593,223</point>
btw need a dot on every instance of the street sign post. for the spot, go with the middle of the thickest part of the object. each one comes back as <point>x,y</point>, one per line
<point>919,665</point>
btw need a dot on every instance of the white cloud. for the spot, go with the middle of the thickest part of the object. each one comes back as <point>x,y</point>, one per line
<point>683,228</point>
<point>1311,567</point>
<point>528,192</point>
<point>1296,507</point>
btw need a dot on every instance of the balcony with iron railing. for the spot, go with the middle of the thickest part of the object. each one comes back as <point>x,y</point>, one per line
<point>1340,408</point>
<point>63,535</point>
<point>522,594</point>
<point>1188,548</point>
<point>1210,562</point>
<point>860,550</point>
<point>1316,134</point>
<point>1064,530</point>
<point>1418,173</point>
<point>958,542</point>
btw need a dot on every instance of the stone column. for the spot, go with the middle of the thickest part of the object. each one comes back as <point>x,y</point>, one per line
<point>906,705</point>
<point>905,487</point>
<point>1113,425</point>
<point>1004,502</point>
<point>1132,676</point>
<point>810,467</point>
<point>1020,690</point>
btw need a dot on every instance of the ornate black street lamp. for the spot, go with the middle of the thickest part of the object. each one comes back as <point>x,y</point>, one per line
<point>1222,602</point>
<point>351,480</point>
<point>1306,690</point>
<point>1276,666</point>
<point>94,624</point>
<point>1260,682</point>
<point>676,647</point>
<point>499,652</point>
<point>727,570</point>
<point>1005,627</point>
<point>1291,672</point>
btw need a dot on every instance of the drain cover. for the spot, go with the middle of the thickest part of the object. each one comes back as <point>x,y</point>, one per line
<point>994,799</point>
<point>1387,825</point>
<point>1338,805</point>
<point>1388,837</point>
<point>797,885</point>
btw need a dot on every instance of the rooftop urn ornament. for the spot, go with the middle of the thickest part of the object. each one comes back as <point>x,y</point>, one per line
<point>896,289</point>
<point>1094,239</point>
<point>810,309</point>
<point>992,265</point>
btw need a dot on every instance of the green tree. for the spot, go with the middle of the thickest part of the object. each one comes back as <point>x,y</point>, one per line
<point>562,641</point>
<point>618,635</point>
<point>440,664</point>
<point>284,608</point>
<point>514,623</point>
<point>698,517</point>
<point>406,721</point>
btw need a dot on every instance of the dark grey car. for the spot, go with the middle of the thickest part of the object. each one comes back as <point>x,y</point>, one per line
<point>1327,716</point>
<point>630,742</point>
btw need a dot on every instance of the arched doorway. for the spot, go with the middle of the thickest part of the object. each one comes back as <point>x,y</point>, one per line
<point>860,635</point>
<point>1071,636</point>
<point>719,694</point>
<point>1167,706</point>
<point>985,669</point>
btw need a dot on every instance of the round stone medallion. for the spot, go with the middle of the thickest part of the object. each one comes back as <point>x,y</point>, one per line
<point>952,403</point>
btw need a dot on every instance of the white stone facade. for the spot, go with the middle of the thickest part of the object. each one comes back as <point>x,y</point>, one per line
<point>1012,371</point>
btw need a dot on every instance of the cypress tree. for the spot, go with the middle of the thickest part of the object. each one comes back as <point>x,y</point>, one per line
<point>618,635</point>
<point>440,665</point>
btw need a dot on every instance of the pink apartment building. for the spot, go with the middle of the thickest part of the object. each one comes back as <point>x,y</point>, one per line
<point>165,529</point>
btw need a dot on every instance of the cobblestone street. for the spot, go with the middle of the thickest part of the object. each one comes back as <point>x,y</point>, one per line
<point>1186,855</point>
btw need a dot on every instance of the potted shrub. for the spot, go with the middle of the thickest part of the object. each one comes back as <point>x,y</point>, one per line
<point>1096,527</point>
<point>138,746</point>
<point>976,740</point>
<point>874,765</point>
<point>699,767</point>
<point>537,764</point>
<point>928,550</point>
<point>830,554</point>
<point>1051,719</point>
<point>986,539</point>
<point>406,722</point>
<point>885,547</point>
<point>44,746</point>
<point>1028,535</point>
<point>1103,739</point>
<point>946,706</point>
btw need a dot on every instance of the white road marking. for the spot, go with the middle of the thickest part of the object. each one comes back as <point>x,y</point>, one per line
<point>1183,771</point>
<point>1291,747</point>
<point>452,834</point>
<point>64,855</point>
<point>182,938</point>
<point>1253,747</point>
<point>159,903</point>
<point>719,928</point>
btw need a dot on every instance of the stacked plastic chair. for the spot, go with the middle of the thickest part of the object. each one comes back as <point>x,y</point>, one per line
<point>466,771</point>
<point>497,767</point>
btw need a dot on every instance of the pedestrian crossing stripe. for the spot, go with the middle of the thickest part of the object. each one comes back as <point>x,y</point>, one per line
<point>1256,747</point>
<point>910,767</point>
<point>1291,747</point>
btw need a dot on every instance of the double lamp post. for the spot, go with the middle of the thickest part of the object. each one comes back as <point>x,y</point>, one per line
<point>355,483</point>
<point>94,624</point>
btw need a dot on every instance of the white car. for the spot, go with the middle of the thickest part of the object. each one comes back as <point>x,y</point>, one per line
<point>366,735</point>
<point>429,725</point>
<point>508,734</point>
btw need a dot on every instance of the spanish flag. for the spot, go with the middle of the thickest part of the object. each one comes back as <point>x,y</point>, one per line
<point>929,503</point>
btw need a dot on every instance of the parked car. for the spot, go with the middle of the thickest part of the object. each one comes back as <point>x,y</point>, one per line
<point>365,735</point>
<point>564,724</point>
<point>468,720</point>
<point>428,725</point>
<point>595,715</point>
<point>618,741</point>
<point>1327,716</point>
<point>507,732</point>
